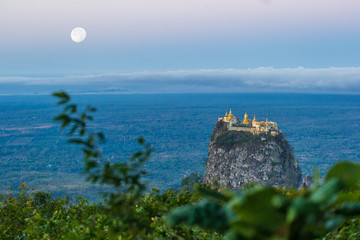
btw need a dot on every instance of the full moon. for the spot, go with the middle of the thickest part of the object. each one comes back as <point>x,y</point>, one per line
<point>78,34</point>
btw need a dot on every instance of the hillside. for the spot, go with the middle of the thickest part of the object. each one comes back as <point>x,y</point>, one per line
<point>237,158</point>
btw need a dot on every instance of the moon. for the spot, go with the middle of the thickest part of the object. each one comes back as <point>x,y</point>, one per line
<point>78,34</point>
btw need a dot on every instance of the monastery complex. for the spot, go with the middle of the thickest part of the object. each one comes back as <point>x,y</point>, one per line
<point>254,126</point>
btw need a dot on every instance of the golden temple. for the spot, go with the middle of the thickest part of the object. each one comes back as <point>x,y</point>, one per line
<point>254,126</point>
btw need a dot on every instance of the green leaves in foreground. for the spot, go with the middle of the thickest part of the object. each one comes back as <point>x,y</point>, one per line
<point>269,213</point>
<point>347,172</point>
<point>202,214</point>
<point>124,177</point>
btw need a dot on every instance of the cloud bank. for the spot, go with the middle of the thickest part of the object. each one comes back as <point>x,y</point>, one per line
<point>302,80</point>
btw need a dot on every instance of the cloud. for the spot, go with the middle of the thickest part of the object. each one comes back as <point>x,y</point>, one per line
<point>319,80</point>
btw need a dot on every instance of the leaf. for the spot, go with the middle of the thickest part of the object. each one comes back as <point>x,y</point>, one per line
<point>71,107</point>
<point>83,116</point>
<point>90,165</point>
<point>347,196</point>
<point>207,214</point>
<point>347,172</point>
<point>136,155</point>
<point>65,123</point>
<point>328,192</point>
<point>334,222</point>
<point>280,202</point>
<point>256,208</point>
<point>61,95</point>
<point>213,194</point>
<point>301,207</point>
<point>73,129</point>
<point>88,153</point>
<point>92,109</point>
<point>62,117</point>
<point>101,137</point>
<point>77,141</point>
<point>82,132</point>
<point>349,209</point>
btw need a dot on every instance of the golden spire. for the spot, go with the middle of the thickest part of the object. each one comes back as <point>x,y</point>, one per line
<point>246,119</point>
<point>226,114</point>
<point>230,114</point>
<point>254,120</point>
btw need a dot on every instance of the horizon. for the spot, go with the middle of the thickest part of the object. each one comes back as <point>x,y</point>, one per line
<point>181,93</point>
<point>287,80</point>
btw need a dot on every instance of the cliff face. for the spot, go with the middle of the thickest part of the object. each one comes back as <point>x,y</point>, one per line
<point>236,158</point>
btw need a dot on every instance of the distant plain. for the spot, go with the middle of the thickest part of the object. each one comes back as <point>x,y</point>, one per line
<point>322,129</point>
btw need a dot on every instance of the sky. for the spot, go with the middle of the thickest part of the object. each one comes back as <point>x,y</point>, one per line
<point>297,45</point>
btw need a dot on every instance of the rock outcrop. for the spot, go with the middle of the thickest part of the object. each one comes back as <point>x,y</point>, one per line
<point>238,158</point>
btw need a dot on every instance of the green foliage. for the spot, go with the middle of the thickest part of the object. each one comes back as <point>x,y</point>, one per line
<point>268,213</point>
<point>125,178</point>
<point>350,231</point>
<point>347,172</point>
<point>232,138</point>
<point>202,214</point>
<point>34,215</point>
<point>205,162</point>
<point>249,185</point>
<point>14,211</point>
<point>187,183</point>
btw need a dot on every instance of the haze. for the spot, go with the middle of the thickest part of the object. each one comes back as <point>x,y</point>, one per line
<point>158,36</point>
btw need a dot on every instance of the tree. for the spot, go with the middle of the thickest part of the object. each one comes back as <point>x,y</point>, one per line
<point>187,183</point>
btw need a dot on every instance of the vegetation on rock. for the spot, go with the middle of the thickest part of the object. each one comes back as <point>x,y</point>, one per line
<point>231,138</point>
